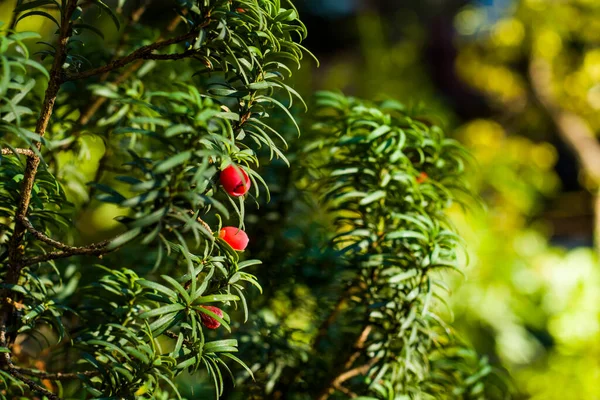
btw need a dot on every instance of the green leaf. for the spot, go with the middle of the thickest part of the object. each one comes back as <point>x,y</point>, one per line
<point>89,28</point>
<point>406,235</point>
<point>220,346</point>
<point>373,197</point>
<point>403,276</point>
<point>34,4</point>
<point>184,294</point>
<point>170,308</point>
<point>40,13</point>
<point>178,129</point>
<point>215,298</point>
<point>158,287</point>
<point>240,362</point>
<point>110,12</point>
<point>172,162</point>
<point>123,239</point>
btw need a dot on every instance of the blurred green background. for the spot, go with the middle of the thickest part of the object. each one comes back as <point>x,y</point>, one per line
<point>531,296</point>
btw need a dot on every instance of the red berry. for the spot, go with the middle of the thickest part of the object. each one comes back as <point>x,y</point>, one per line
<point>209,321</point>
<point>235,181</point>
<point>235,237</point>
<point>422,177</point>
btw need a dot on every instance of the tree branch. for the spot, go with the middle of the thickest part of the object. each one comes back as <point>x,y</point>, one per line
<point>59,376</point>
<point>8,366</point>
<point>91,110</point>
<point>25,152</point>
<point>327,322</point>
<point>92,250</point>
<point>346,374</point>
<point>132,19</point>
<point>55,243</point>
<point>359,346</point>
<point>15,247</point>
<point>175,56</point>
<point>138,54</point>
<point>175,336</point>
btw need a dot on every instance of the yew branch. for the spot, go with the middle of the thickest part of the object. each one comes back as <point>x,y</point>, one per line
<point>141,53</point>
<point>59,376</point>
<point>25,152</point>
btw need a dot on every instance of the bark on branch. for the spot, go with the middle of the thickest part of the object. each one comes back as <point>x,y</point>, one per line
<point>8,366</point>
<point>346,373</point>
<point>25,152</point>
<point>59,376</point>
<point>59,245</point>
<point>142,53</point>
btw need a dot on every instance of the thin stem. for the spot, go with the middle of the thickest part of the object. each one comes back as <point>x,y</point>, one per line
<point>327,322</point>
<point>99,101</point>
<point>7,365</point>
<point>138,54</point>
<point>95,249</point>
<point>59,376</point>
<point>75,251</point>
<point>336,384</point>
<point>133,19</point>
<point>346,374</point>
<point>359,346</point>
<point>204,224</point>
<point>25,152</point>
<point>55,243</point>
<point>175,336</point>
<point>174,56</point>
<point>56,78</point>
<point>91,110</point>
<point>15,245</point>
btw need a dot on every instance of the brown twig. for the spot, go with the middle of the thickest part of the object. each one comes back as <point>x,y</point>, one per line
<point>7,365</point>
<point>175,336</point>
<point>99,101</point>
<point>56,79</point>
<point>175,56</point>
<point>359,346</point>
<point>15,245</point>
<point>132,19</point>
<point>138,54</point>
<point>59,376</point>
<point>204,224</point>
<point>337,383</point>
<point>93,250</point>
<point>327,322</point>
<point>346,374</point>
<point>91,110</point>
<point>25,152</point>
<point>55,243</point>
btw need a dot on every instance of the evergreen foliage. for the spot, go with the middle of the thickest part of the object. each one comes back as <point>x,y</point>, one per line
<point>124,317</point>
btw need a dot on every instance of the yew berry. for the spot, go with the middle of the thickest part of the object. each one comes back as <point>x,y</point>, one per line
<point>235,237</point>
<point>422,177</point>
<point>235,181</point>
<point>209,321</point>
